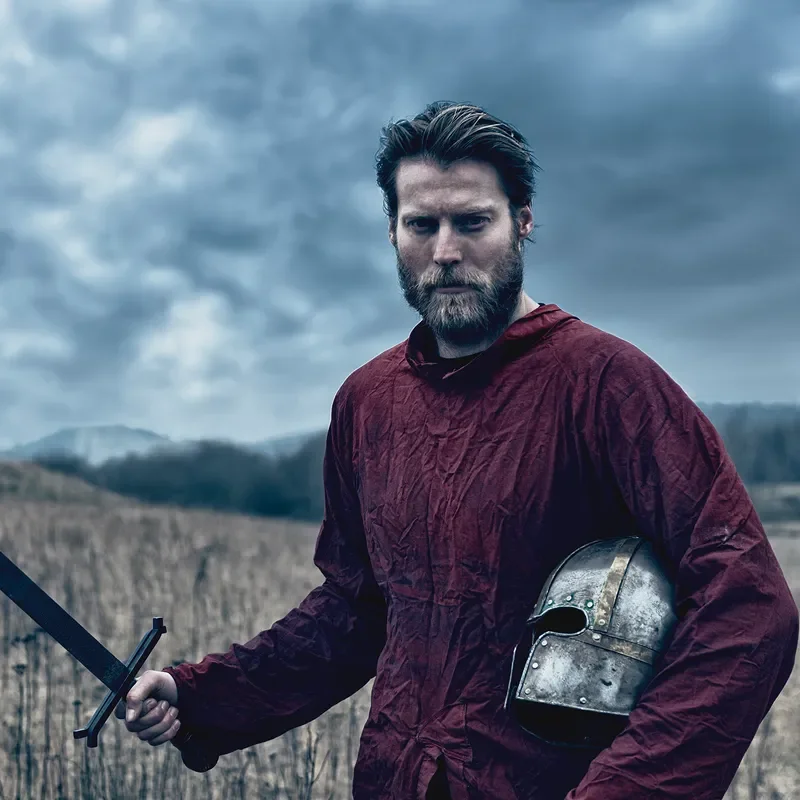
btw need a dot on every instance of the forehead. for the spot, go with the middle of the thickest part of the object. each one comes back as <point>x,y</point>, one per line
<point>427,188</point>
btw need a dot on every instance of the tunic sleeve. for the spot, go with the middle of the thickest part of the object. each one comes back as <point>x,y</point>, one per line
<point>734,645</point>
<point>320,653</point>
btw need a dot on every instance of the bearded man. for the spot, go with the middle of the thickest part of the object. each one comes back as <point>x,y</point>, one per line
<point>462,466</point>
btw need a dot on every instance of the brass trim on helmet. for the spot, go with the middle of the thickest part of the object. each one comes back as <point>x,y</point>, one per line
<point>605,642</point>
<point>608,596</point>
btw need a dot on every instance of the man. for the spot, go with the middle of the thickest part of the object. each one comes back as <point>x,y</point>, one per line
<point>462,466</point>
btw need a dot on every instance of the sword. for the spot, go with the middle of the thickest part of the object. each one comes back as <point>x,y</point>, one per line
<point>109,670</point>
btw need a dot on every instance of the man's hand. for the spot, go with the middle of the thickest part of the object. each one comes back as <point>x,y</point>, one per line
<point>150,708</point>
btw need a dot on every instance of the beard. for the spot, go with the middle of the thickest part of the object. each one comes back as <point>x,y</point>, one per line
<point>469,318</point>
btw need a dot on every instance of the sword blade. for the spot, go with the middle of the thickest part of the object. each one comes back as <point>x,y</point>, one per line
<point>58,623</point>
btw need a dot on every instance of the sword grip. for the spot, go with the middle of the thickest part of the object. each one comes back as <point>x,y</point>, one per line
<point>196,754</point>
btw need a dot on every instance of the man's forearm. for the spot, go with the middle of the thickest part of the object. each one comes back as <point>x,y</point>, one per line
<point>323,651</point>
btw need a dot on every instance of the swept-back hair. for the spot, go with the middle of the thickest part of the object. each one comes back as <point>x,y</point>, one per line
<point>447,132</point>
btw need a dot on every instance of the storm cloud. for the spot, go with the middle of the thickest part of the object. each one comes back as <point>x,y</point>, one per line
<point>192,240</point>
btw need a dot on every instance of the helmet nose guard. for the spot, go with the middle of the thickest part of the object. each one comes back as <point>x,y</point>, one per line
<point>602,619</point>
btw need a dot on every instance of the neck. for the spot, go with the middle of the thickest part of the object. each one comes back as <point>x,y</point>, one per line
<point>446,350</point>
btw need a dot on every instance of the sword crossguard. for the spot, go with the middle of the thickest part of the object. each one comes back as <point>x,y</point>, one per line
<point>196,755</point>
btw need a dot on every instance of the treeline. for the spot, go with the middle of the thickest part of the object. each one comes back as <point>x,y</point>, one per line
<point>228,478</point>
<point>763,452</point>
<point>212,475</point>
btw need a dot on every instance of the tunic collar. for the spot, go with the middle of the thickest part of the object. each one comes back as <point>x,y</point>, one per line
<point>423,357</point>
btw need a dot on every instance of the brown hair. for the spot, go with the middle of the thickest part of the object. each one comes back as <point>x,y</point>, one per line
<point>447,132</point>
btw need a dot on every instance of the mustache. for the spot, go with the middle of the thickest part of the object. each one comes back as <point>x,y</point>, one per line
<point>442,279</point>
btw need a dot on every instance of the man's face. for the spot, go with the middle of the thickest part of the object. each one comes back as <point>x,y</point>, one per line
<point>459,255</point>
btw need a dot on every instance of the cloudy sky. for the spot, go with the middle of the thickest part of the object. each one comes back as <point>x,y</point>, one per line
<point>192,241</point>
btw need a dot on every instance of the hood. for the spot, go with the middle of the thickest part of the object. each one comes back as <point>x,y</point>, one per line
<point>528,331</point>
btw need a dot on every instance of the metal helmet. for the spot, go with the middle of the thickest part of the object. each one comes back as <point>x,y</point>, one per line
<point>603,617</point>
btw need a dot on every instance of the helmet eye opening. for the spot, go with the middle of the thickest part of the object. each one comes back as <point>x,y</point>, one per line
<point>561,620</point>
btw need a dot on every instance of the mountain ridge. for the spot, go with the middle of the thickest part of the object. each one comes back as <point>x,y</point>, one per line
<point>97,444</point>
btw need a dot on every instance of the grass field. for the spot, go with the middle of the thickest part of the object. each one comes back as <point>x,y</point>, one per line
<point>215,579</point>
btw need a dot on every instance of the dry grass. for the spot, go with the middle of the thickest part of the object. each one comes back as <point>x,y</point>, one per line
<point>215,578</point>
<point>771,768</point>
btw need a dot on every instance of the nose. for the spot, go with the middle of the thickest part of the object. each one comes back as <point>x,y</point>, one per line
<point>447,249</point>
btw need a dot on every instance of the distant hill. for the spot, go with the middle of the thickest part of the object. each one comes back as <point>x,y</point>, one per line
<point>95,444</point>
<point>32,482</point>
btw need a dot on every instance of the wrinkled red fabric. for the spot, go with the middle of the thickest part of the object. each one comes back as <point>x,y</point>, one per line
<point>452,489</point>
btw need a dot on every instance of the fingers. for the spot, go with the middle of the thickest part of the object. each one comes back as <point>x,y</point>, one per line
<point>168,736</point>
<point>163,726</point>
<point>148,705</point>
<point>152,712</point>
<point>150,708</point>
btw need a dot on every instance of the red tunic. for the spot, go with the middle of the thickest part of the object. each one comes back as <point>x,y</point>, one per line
<point>451,491</point>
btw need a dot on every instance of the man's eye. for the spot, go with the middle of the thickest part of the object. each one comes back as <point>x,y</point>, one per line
<point>467,222</point>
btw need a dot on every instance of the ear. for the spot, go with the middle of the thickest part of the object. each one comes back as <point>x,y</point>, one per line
<point>393,232</point>
<point>525,218</point>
